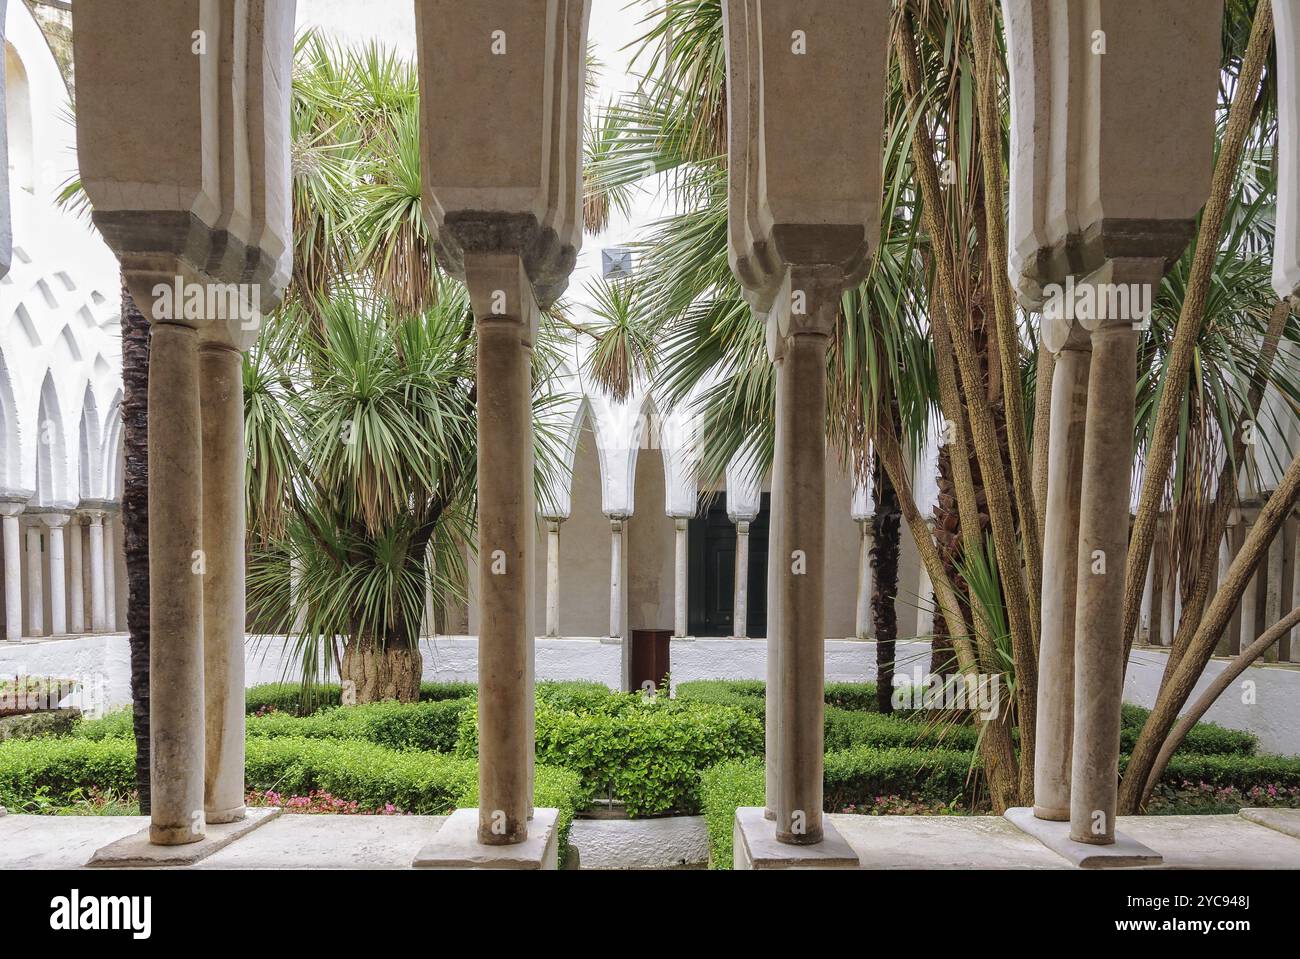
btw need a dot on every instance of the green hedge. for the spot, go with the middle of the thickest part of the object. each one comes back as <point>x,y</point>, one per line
<point>429,725</point>
<point>1208,739</point>
<point>647,753</point>
<point>54,722</point>
<point>846,729</point>
<point>287,697</point>
<point>417,782</point>
<point>724,789</point>
<point>116,725</point>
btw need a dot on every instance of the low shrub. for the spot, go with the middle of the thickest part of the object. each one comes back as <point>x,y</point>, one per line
<point>744,694</point>
<point>846,729</point>
<point>1209,739</point>
<point>857,776</point>
<point>49,772</point>
<point>287,697</point>
<point>646,753</point>
<point>724,789</point>
<point>579,695</point>
<point>856,696</point>
<point>429,726</point>
<point>57,722</point>
<point>114,725</point>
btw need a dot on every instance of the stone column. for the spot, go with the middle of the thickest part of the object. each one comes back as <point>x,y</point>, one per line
<point>616,578</point>
<point>76,579</point>
<point>176,561</point>
<point>1273,591</point>
<point>801,410</point>
<point>1103,554</point>
<point>553,577</point>
<point>110,574</point>
<point>506,523</point>
<point>1054,732</point>
<point>1169,598</point>
<point>222,403</point>
<point>35,582</point>
<point>862,625</point>
<point>1250,611</point>
<point>1225,562</point>
<point>776,508</point>
<point>1148,595</point>
<point>98,609</point>
<point>739,626</point>
<point>680,574</point>
<point>295,595</point>
<point>13,571</point>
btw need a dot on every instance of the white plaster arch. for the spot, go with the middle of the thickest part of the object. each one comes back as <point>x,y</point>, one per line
<point>53,488</point>
<point>112,453</point>
<point>90,460</point>
<point>11,471</point>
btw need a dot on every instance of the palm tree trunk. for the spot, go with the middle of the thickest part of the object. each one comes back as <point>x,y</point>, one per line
<point>383,670</point>
<point>886,527</point>
<point>135,524</point>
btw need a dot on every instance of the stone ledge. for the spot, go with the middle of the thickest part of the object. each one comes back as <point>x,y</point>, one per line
<point>1285,821</point>
<point>456,845</point>
<point>1124,852</point>
<point>755,846</point>
<point>137,851</point>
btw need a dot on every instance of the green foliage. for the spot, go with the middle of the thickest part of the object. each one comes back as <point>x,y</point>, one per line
<point>577,694</point>
<point>860,697</point>
<point>854,777</point>
<point>745,694</point>
<point>1204,738</point>
<point>35,725</point>
<point>429,725</point>
<point>62,769</point>
<point>114,725</point>
<point>1241,772</point>
<point>846,729</point>
<point>287,697</point>
<point>646,753</point>
<point>724,789</point>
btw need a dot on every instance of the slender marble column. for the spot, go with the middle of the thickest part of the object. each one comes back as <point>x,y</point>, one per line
<point>506,521</point>
<point>222,403</point>
<point>1144,617</point>
<point>801,410</point>
<point>739,626</point>
<point>680,568</point>
<point>98,613</point>
<point>1055,728</point>
<point>616,578</point>
<point>1250,611</point>
<point>76,579</point>
<point>13,571</point>
<point>862,626</point>
<point>110,574</point>
<point>1225,562</point>
<point>1273,590</point>
<point>35,582</point>
<point>176,564</point>
<point>553,577</point>
<point>1103,553</point>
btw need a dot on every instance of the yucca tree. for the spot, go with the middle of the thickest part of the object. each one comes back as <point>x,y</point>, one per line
<point>360,398</point>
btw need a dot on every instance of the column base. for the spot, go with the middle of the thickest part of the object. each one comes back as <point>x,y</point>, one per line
<point>229,816</point>
<point>755,846</point>
<point>456,845</point>
<point>1124,852</point>
<point>1051,815</point>
<point>137,851</point>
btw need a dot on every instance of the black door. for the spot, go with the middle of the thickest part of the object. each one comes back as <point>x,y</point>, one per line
<point>712,594</point>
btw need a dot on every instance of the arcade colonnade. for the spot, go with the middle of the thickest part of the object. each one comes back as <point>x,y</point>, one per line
<point>1111,161</point>
<point>61,562</point>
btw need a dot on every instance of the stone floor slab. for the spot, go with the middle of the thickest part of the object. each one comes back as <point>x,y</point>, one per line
<point>456,845</point>
<point>670,842</point>
<point>296,841</point>
<point>1213,842</point>
<point>1285,821</point>
<point>137,852</point>
<point>943,842</point>
<point>1124,852</point>
<point>755,846</point>
<point>59,842</point>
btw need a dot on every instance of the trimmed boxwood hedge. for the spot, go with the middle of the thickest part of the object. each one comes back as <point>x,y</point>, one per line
<point>417,782</point>
<point>724,789</point>
<point>647,753</point>
<point>287,697</point>
<point>429,725</point>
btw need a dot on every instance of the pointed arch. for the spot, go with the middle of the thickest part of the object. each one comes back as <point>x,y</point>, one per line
<point>113,453</point>
<point>11,467</point>
<point>51,448</point>
<point>90,459</point>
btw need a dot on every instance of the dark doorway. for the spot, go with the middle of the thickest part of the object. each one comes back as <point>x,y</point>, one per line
<point>712,594</point>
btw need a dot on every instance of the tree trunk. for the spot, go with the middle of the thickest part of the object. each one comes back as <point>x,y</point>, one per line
<point>135,524</point>
<point>886,526</point>
<point>390,670</point>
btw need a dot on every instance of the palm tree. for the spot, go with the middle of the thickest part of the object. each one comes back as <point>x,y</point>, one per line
<point>931,328</point>
<point>360,398</point>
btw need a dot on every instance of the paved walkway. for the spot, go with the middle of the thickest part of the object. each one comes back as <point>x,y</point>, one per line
<point>882,842</point>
